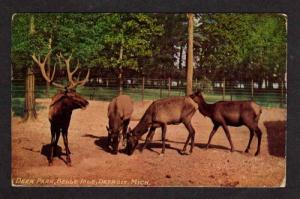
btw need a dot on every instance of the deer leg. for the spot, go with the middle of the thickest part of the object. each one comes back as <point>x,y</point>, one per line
<point>192,130</point>
<point>259,134</point>
<point>163,137</point>
<point>190,136</point>
<point>52,145</point>
<point>57,137</point>
<point>109,140</point>
<point>57,134</point>
<point>124,131</point>
<point>214,130</point>
<point>250,140</point>
<point>149,137</point>
<point>186,143</point>
<point>228,136</point>
<point>65,137</point>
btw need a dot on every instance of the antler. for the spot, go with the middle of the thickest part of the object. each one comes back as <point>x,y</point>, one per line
<point>41,64</point>
<point>73,83</point>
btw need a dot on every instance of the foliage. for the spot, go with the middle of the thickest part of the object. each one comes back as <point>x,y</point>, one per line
<point>242,45</point>
<point>231,45</point>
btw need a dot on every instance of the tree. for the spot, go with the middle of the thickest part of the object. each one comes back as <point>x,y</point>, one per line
<point>190,67</point>
<point>20,43</point>
<point>36,33</point>
<point>128,41</point>
<point>242,46</point>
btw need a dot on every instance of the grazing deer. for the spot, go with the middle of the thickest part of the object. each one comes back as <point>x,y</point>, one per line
<point>119,112</point>
<point>62,105</point>
<point>231,113</point>
<point>160,113</point>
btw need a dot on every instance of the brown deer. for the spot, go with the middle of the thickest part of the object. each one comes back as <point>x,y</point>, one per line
<point>119,112</point>
<point>160,113</point>
<point>231,113</point>
<point>63,103</point>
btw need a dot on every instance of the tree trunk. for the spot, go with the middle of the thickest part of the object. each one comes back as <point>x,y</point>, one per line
<point>180,57</point>
<point>121,70</point>
<point>48,68</point>
<point>120,82</point>
<point>30,112</point>
<point>48,74</point>
<point>189,75</point>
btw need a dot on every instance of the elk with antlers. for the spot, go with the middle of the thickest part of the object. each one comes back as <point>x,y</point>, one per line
<point>63,103</point>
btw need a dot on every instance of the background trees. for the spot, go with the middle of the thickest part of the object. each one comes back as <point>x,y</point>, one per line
<point>244,45</point>
<point>247,46</point>
<point>238,47</point>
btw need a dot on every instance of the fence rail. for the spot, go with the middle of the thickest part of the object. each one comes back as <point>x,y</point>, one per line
<point>266,94</point>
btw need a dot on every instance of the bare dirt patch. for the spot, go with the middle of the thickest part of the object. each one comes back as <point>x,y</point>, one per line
<point>94,165</point>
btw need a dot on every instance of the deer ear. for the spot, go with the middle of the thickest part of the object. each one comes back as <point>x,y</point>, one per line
<point>107,129</point>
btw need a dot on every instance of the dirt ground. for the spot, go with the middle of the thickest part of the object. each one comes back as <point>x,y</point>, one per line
<point>94,165</point>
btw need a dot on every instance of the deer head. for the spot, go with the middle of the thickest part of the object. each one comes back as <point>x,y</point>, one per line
<point>72,100</point>
<point>132,142</point>
<point>73,83</point>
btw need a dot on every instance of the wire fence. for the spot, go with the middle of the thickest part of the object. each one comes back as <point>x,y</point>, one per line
<point>266,94</point>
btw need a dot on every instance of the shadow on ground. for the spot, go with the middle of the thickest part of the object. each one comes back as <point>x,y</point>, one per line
<point>276,137</point>
<point>152,145</point>
<point>101,142</point>
<point>202,145</point>
<point>46,150</point>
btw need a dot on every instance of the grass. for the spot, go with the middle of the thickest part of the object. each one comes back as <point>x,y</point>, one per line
<point>17,106</point>
<point>266,99</point>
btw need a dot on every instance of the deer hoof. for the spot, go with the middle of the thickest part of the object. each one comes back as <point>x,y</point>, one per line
<point>246,151</point>
<point>231,150</point>
<point>183,152</point>
<point>256,154</point>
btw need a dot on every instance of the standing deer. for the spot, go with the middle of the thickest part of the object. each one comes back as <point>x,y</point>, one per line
<point>231,113</point>
<point>63,103</point>
<point>163,112</point>
<point>119,112</point>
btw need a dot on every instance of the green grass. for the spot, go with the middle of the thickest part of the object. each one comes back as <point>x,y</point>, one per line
<point>17,106</point>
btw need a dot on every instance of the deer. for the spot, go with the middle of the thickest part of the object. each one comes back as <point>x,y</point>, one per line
<point>63,103</point>
<point>231,113</point>
<point>163,112</point>
<point>119,113</point>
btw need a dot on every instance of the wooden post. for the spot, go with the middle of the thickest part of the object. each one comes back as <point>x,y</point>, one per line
<point>120,83</point>
<point>282,95</point>
<point>224,88</point>
<point>160,93</point>
<point>169,86</point>
<point>252,90</point>
<point>143,87</point>
<point>230,89</point>
<point>190,60</point>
